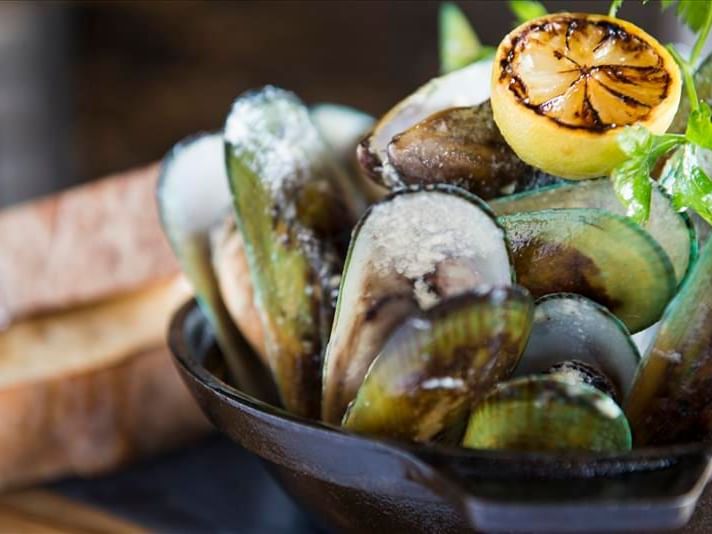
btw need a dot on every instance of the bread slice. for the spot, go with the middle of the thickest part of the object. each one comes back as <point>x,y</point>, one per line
<point>88,285</point>
<point>82,245</point>
<point>87,389</point>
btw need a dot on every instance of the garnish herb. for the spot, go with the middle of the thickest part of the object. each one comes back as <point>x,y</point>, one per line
<point>684,178</point>
<point>526,10</point>
<point>459,44</point>
<point>615,6</point>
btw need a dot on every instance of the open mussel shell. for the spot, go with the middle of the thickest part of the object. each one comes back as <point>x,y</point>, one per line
<point>438,362</point>
<point>671,229</point>
<point>548,413</point>
<point>468,86</point>
<point>571,327</point>
<point>605,257</point>
<point>671,397</point>
<point>193,198</point>
<point>408,252</point>
<point>343,127</point>
<point>294,208</point>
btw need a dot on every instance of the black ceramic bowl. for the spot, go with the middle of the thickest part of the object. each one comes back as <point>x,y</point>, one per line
<point>355,484</point>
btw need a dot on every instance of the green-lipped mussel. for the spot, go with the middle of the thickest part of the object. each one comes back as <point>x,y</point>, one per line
<point>671,398</point>
<point>605,257</point>
<point>572,328</point>
<point>468,86</point>
<point>462,146</point>
<point>671,229</point>
<point>407,253</point>
<point>193,198</point>
<point>342,127</point>
<point>548,413</point>
<point>438,362</point>
<point>294,208</point>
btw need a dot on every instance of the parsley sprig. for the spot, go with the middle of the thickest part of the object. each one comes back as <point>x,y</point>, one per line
<point>683,177</point>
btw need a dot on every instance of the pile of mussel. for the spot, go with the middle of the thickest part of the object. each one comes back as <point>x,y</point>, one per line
<point>415,279</point>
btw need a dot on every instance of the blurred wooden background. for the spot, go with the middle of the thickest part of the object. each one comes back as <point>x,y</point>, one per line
<point>89,88</point>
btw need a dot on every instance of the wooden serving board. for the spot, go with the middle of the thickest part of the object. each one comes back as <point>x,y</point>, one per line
<point>45,512</point>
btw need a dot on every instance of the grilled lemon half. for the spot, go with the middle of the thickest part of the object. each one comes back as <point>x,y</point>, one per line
<point>565,84</point>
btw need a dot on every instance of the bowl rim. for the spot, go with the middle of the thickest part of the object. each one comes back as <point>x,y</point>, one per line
<point>577,463</point>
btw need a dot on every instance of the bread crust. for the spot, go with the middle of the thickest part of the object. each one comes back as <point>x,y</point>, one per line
<point>95,420</point>
<point>68,255</point>
<point>85,244</point>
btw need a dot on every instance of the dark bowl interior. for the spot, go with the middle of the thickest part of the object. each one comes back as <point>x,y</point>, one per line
<point>353,483</point>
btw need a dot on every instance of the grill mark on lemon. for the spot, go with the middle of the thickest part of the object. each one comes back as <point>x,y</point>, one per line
<point>591,82</point>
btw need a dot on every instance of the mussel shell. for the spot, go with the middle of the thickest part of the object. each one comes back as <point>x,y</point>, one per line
<point>193,198</point>
<point>233,277</point>
<point>578,371</point>
<point>465,87</point>
<point>437,363</point>
<point>673,230</point>
<point>294,208</point>
<point>569,327</point>
<point>605,257</point>
<point>343,127</point>
<point>671,398</point>
<point>548,413</point>
<point>409,251</point>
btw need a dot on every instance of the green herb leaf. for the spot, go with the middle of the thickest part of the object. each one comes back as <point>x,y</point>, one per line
<point>615,6</point>
<point>688,184</point>
<point>699,126</point>
<point>526,10</point>
<point>694,13</point>
<point>631,179</point>
<point>459,44</point>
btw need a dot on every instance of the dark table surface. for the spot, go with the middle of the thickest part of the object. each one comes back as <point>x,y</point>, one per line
<point>215,486</point>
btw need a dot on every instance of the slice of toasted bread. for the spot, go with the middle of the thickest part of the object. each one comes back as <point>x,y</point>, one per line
<point>95,419</point>
<point>86,389</point>
<point>87,287</point>
<point>82,245</point>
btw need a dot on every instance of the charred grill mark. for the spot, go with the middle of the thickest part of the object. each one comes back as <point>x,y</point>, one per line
<point>572,27</point>
<point>589,111</point>
<point>628,100</point>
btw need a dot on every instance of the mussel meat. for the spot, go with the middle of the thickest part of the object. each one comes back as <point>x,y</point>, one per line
<point>460,146</point>
<point>468,86</point>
